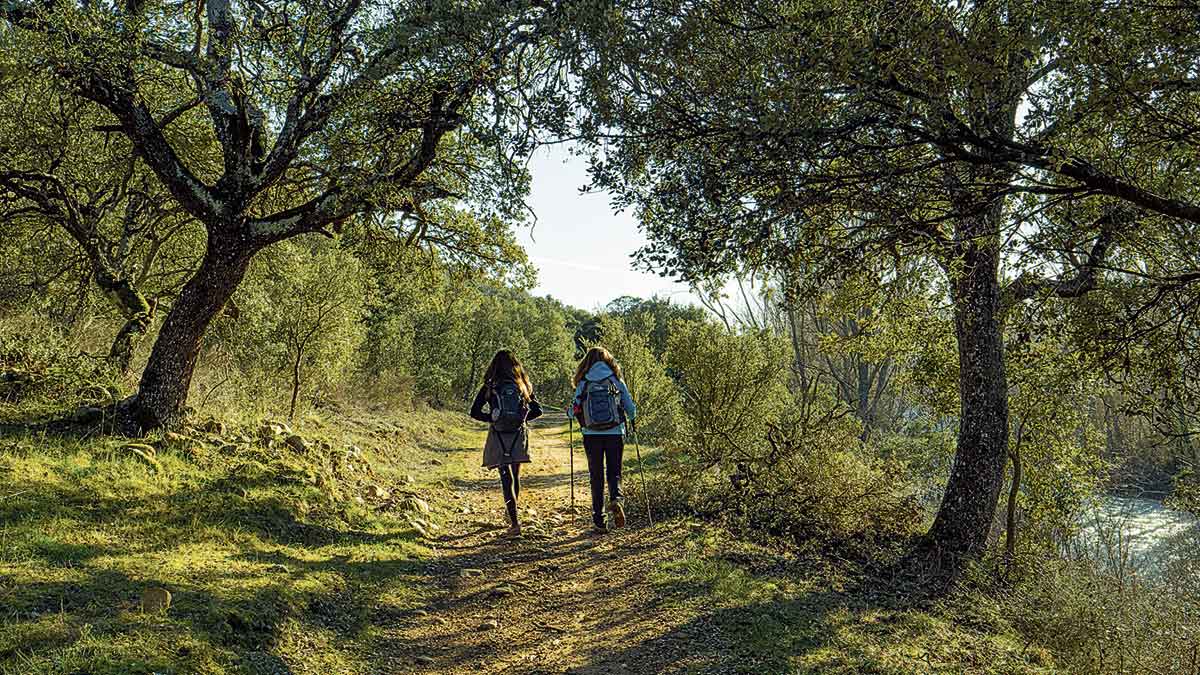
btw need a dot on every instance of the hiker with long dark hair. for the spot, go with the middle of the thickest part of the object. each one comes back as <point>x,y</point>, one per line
<point>602,405</point>
<point>508,395</point>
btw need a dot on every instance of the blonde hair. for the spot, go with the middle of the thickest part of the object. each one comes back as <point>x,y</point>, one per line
<point>596,355</point>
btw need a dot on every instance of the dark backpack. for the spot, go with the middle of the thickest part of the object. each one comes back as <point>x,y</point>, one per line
<point>601,403</point>
<point>509,407</point>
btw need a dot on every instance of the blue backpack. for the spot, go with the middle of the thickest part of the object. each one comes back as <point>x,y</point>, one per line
<point>509,407</point>
<point>601,403</point>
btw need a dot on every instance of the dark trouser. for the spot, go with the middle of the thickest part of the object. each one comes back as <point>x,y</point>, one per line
<point>510,484</point>
<point>603,449</point>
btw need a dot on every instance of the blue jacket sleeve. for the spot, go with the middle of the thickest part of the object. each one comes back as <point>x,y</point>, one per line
<point>578,393</point>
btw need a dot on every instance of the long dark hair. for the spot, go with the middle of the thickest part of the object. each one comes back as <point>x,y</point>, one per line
<point>596,355</point>
<point>505,366</point>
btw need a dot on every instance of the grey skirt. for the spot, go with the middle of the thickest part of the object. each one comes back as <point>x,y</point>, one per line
<point>506,448</point>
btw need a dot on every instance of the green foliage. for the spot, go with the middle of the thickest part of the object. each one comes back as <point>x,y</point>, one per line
<point>299,322</point>
<point>656,396</point>
<point>731,387</point>
<point>439,329</point>
<point>653,318</point>
<point>1060,449</point>
<point>42,369</point>
<point>1093,622</point>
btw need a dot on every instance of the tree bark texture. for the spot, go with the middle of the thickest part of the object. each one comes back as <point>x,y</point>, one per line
<point>162,393</point>
<point>972,493</point>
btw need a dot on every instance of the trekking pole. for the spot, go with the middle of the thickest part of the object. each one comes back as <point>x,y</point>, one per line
<point>641,471</point>
<point>571,441</point>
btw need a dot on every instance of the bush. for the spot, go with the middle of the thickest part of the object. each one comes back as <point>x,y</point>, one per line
<point>298,324</point>
<point>732,386</point>
<point>1098,622</point>
<point>42,371</point>
<point>771,464</point>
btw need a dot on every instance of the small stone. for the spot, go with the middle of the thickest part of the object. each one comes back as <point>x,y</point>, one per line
<point>503,592</point>
<point>214,427</point>
<point>470,572</point>
<point>140,447</point>
<point>145,453</point>
<point>415,505</point>
<point>271,429</point>
<point>408,479</point>
<point>424,660</point>
<point>490,624</point>
<point>174,438</point>
<point>377,492</point>
<point>156,600</point>
<point>297,443</point>
<point>435,462</point>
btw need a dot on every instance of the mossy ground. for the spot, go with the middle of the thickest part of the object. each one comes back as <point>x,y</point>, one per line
<point>286,561</point>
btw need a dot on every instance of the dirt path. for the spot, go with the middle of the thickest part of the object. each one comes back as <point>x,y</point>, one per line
<point>558,599</point>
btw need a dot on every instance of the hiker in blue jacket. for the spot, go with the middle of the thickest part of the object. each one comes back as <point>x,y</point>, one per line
<point>602,405</point>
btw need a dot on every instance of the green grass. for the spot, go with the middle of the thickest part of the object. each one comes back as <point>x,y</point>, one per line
<point>278,564</point>
<point>796,615</point>
<point>274,560</point>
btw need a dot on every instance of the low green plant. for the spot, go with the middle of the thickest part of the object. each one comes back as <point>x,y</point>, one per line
<point>44,373</point>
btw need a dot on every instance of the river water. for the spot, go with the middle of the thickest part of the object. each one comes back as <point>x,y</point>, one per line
<point>1138,534</point>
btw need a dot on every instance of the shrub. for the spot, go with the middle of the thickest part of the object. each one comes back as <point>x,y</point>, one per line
<point>42,371</point>
<point>771,464</point>
<point>1095,621</point>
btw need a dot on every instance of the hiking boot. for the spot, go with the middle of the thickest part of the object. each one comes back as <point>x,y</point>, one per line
<point>514,530</point>
<point>599,527</point>
<point>618,514</point>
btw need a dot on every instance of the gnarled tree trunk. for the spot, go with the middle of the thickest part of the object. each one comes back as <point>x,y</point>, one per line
<point>133,307</point>
<point>162,393</point>
<point>972,493</point>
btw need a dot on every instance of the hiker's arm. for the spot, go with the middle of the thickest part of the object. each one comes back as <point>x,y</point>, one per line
<point>627,402</point>
<point>575,401</point>
<point>535,409</point>
<point>477,406</point>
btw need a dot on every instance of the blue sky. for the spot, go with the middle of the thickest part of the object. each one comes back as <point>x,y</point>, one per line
<point>580,246</point>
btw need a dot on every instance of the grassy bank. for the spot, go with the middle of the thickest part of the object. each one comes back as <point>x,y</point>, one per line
<point>281,548</point>
<point>342,546</point>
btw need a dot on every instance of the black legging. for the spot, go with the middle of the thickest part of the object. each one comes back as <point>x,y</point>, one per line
<point>602,449</point>
<point>510,484</point>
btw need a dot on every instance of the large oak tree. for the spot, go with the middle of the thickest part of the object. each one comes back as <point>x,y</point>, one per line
<point>1056,141</point>
<point>323,111</point>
